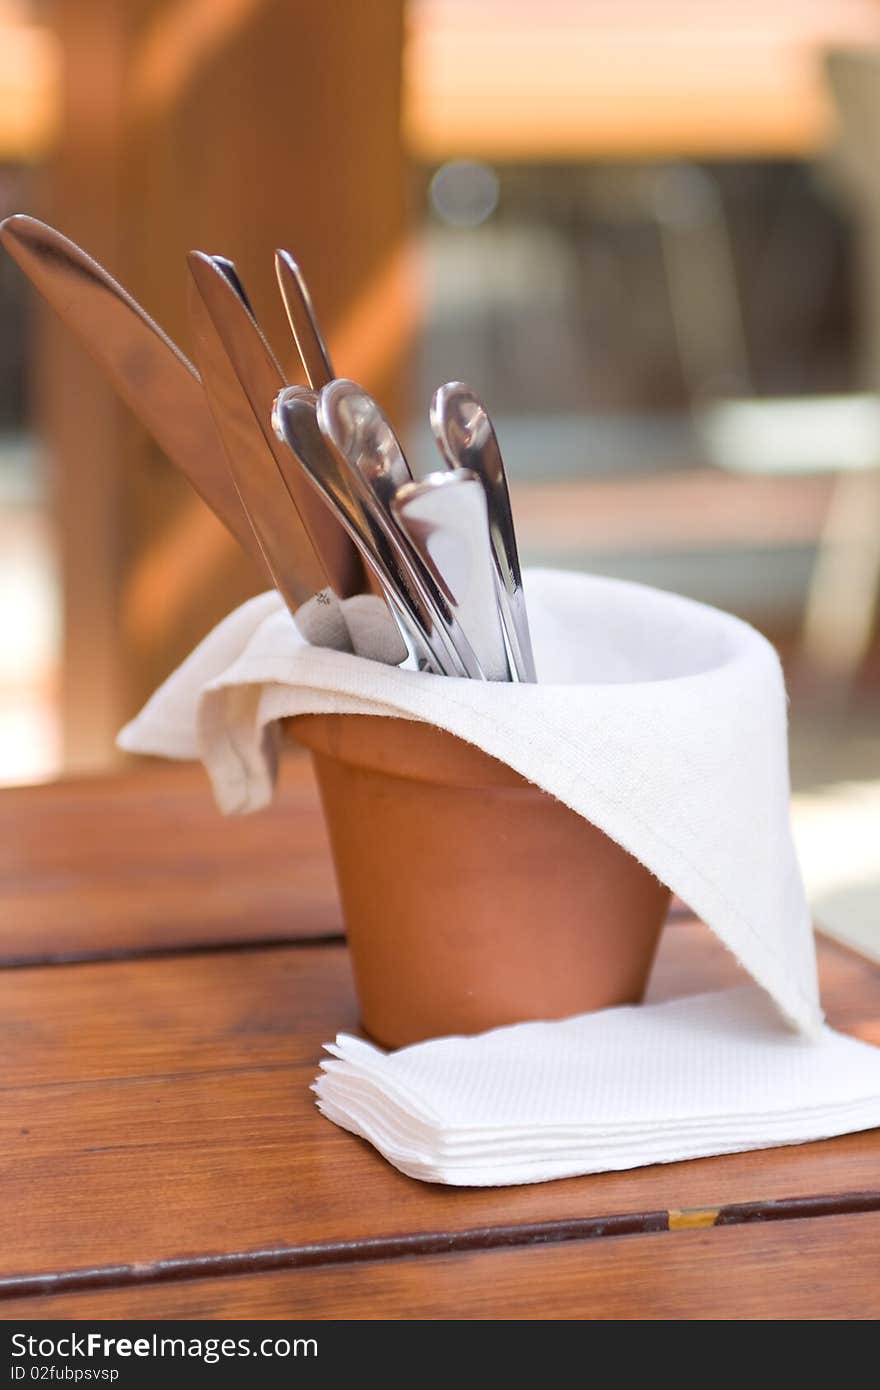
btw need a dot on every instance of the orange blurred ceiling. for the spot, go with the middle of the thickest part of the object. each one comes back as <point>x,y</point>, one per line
<point>603,79</point>
<point>553,79</point>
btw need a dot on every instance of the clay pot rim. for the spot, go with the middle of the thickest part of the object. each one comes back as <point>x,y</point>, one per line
<point>411,749</point>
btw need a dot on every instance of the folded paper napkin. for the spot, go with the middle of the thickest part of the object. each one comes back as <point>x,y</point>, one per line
<point>709,1074</point>
<point>663,722</point>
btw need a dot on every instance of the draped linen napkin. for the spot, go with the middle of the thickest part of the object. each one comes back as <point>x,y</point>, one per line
<point>662,721</point>
<point>659,719</point>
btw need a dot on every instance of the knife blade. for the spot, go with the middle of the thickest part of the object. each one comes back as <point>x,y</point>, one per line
<point>156,381</point>
<point>466,439</point>
<point>445,518</point>
<point>261,380</point>
<point>280,533</point>
<point>303,321</point>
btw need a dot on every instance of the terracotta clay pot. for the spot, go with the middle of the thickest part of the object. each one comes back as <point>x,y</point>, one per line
<point>471,898</point>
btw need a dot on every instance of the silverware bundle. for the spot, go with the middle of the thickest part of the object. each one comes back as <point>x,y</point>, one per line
<point>313,481</point>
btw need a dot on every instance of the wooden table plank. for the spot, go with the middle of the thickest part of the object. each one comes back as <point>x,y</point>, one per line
<point>133,863</point>
<point>157,1122</point>
<point>160,1112</point>
<point>827,1268</point>
<point>275,1006</point>
<point>145,862</point>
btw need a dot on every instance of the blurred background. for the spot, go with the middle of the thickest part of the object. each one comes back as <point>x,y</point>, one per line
<point>647,232</point>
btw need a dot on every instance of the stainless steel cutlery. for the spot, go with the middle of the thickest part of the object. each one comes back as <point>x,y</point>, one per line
<point>147,370</point>
<point>312,481</point>
<point>444,518</point>
<point>345,490</point>
<point>363,440</point>
<point>336,562</point>
<point>467,439</point>
<point>284,543</point>
<point>303,321</point>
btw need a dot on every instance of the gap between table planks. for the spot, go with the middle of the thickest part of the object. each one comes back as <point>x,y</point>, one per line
<point>828,1269</point>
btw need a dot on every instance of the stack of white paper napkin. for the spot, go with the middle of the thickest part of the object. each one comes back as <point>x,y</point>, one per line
<point>708,1074</point>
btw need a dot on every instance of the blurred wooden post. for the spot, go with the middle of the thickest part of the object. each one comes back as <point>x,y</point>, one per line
<point>844,590</point>
<point>233,127</point>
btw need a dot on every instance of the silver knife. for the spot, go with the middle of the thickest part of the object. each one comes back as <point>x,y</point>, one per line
<point>282,538</point>
<point>261,380</point>
<point>467,439</point>
<point>444,516</point>
<point>303,321</point>
<point>146,368</point>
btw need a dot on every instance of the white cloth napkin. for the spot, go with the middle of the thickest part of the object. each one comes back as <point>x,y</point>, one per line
<point>663,722</point>
<point>659,719</point>
<point>708,1074</point>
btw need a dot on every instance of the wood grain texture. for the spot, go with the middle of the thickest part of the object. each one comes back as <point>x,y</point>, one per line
<point>145,862</point>
<point>158,1110</point>
<point>157,1125</point>
<point>827,1268</point>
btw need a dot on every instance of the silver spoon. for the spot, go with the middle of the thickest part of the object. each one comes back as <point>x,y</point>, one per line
<point>466,439</point>
<point>341,485</point>
<point>360,435</point>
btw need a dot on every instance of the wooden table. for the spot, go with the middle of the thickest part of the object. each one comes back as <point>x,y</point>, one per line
<point>168,980</point>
